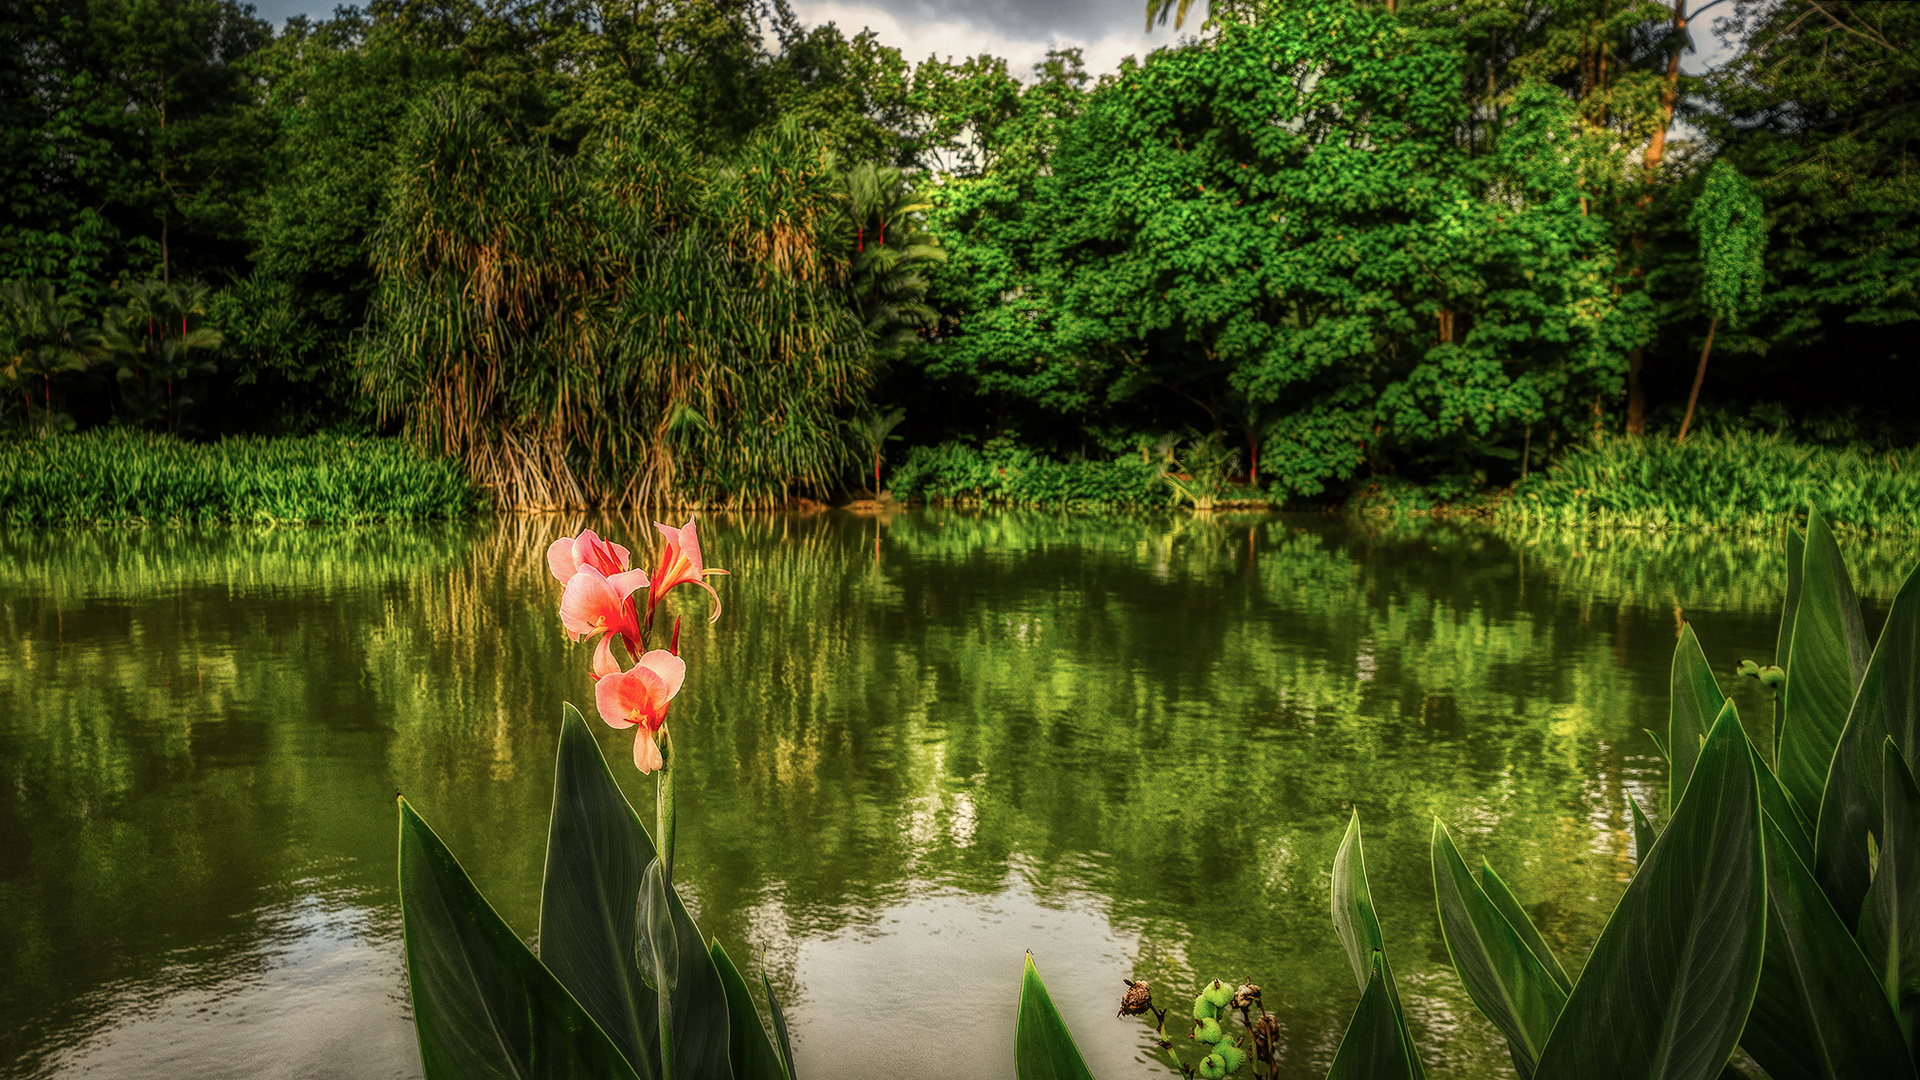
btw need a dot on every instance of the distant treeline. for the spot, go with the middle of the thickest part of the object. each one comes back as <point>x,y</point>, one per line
<point>693,252</point>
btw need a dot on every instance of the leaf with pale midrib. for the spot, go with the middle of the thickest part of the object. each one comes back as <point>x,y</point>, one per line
<point>1890,916</point>
<point>1043,1048</point>
<point>1826,661</point>
<point>1666,991</point>
<point>1694,704</point>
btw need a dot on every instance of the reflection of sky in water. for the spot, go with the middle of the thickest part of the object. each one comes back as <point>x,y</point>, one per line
<point>915,749</point>
<point>321,995</point>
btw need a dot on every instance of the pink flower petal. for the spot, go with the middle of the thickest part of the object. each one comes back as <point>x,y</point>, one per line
<point>604,663</point>
<point>560,559</point>
<point>628,583</point>
<point>606,695</point>
<point>646,754</point>
<point>671,669</point>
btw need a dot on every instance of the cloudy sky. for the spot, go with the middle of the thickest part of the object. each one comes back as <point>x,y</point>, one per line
<point>1020,30</point>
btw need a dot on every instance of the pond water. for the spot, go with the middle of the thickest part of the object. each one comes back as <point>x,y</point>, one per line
<point>914,747</point>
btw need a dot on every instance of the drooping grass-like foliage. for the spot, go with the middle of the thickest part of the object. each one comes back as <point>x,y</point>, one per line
<point>116,476</point>
<point>631,325</point>
<point>1737,481</point>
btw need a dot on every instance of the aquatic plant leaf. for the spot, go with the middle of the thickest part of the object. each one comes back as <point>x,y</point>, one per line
<point>1355,920</point>
<point>779,1023</point>
<point>1043,1048</point>
<point>1775,802</point>
<point>1643,834</point>
<point>1818,1014</point>
<point>752,1054</point>
<point>483,1005</point>
<point>1693,705</point>
<point>1890,916</point>
<point>1796,557</point>
<point>597,851</point>
<point>597,857</point>
<point>1509,906</point>
<point>1502,975</point>
<point>1375,1045</point>
<point>1825,664</point>
<point>1887,707</point>
<point>1666,991</point>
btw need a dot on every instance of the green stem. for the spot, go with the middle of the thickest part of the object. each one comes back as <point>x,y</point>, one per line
<point>663,806</point>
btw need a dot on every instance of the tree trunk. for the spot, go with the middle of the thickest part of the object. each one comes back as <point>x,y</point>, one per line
<point>1636,393</point>
<point>1669,90</point>
<point>1699,376</point>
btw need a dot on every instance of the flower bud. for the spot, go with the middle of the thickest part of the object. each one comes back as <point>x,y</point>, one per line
<point>1773,676</point>
<point>1208,1031</point>
<point>1138,998</point>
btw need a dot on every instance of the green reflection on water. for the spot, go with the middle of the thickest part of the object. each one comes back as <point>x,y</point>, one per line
<point>915,747</point>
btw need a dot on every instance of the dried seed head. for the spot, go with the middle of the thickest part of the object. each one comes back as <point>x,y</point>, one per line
<point>1266,1039</point>
<point>1246,997</point>
<point>1138,998</point>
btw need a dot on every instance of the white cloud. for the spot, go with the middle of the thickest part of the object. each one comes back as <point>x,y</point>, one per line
<point>918,38</point>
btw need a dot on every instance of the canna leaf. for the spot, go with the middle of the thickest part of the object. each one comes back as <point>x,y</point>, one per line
<point>1887,707</point>
<point>483,1005</point>
<point>752,1054</point>
<point>784,1045</point>
<point>1693,705</point>
<point>1359,927</point>
<point>1818,1014</point>
<point>1890,916</point>
<point>1643,834</point>
<point>1796,556</point>
<point>1502,975</point>
<point>597,851</point>
<point>1826,661</point>
<point>1667,989</point>
<point>1043,1048</point>
<point>1509,905</point>
<point>1375,1045</point>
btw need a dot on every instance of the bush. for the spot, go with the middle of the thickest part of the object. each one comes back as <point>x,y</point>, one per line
<point>1002,472</point>
<point>122,476</point>
<point>1737,481</point>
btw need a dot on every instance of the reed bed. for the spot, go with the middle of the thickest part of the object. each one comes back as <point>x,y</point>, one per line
<point>1736,482</point>
<point>118,477</point>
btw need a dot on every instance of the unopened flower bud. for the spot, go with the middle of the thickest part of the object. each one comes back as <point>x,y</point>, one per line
<point>1208,1031</point>
<point>1137,1000</point>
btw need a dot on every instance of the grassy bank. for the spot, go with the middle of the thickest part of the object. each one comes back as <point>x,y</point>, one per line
<point>109,477</point>
<point>1006,474</point>
<point>1738,482</point>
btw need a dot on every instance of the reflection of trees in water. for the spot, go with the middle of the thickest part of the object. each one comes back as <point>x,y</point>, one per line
<point>1173,713</point>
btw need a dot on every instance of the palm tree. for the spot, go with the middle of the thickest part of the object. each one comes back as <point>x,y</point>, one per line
<point>159,338</point>
<point>875,428</point>
<point>892,255</point>
<point>43,336</point>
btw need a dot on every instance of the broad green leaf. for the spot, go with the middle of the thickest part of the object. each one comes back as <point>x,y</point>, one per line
<point>1666,990</point>
<point>1043,1049</point>
<point>1509,905</point>
<point>1890,916</point>
<point>597,856</point>
<point>1693,705</point>
<point>482,1004</point>
<point>1818,1014</point>
<point>1775,802</point>
<point>1359,927</point>
<point>779,1023</point>
<point>1502,975</point>
<point>1796,556</point>
<point>596,853</point>
<point>1887,707</point>
<point>656,947</point>
<point>752,1054</point>
<point>1375,1045</point>
<point>1643,834</point>
<point>1826,662</point>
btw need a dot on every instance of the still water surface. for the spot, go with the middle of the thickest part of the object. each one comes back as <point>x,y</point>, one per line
<point>914,748</point>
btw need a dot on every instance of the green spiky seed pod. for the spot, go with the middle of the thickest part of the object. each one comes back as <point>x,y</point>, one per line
<point>1219,993</point>
<point>1212,1067</point>
<point>1203,1009</point>
<point>1232,1056</point>
<point>1208,1031</point>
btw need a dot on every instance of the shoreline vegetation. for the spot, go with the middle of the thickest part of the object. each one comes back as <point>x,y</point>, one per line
<point>1735,482</point>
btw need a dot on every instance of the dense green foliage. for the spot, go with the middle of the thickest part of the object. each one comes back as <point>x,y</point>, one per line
<point>125,476</point>
<point>1740,481</point>
<point>1351,240</point>
<point>1003,472</point>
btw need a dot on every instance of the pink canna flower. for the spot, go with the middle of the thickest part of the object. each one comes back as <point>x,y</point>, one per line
<point>568,554</point>
<point>680,564</point>
<point>638,698</point>
<point>594,603</point>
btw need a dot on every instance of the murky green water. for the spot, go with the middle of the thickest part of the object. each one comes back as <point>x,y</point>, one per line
<point>914,749</point>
